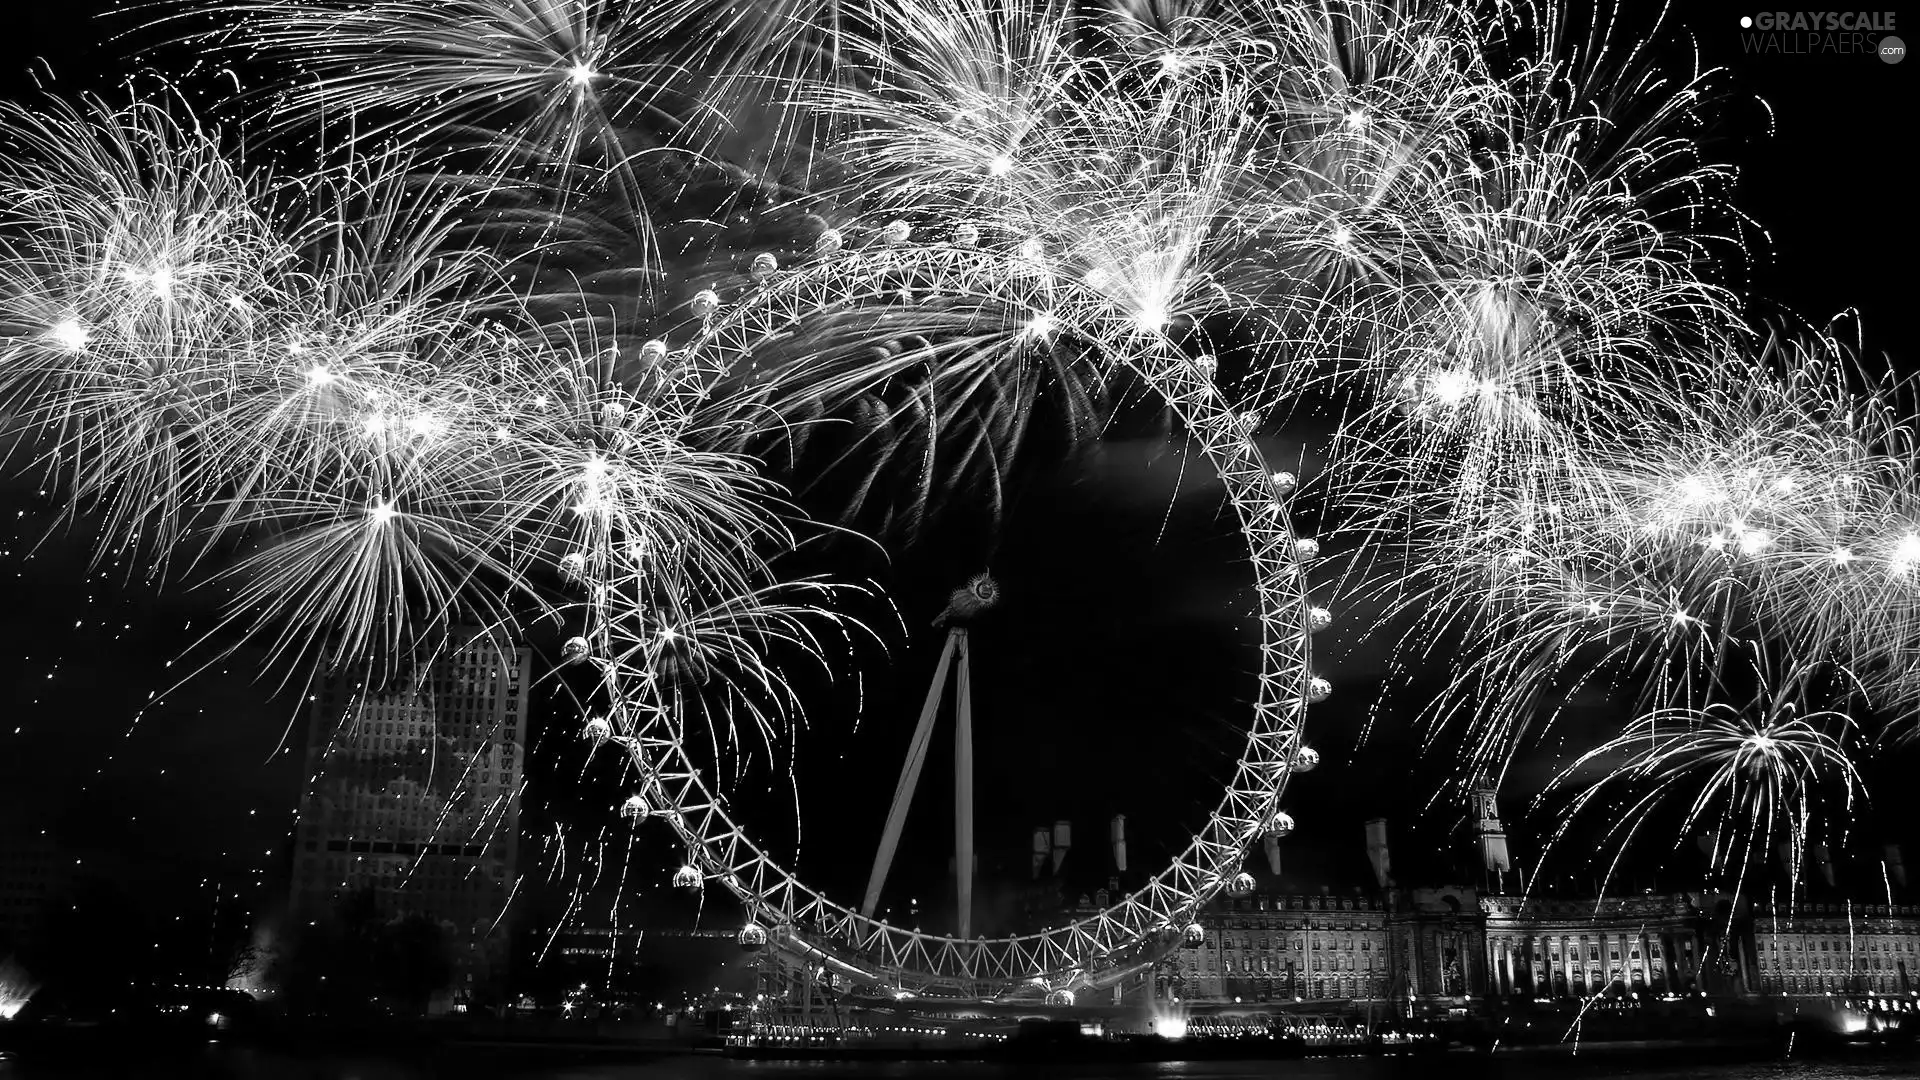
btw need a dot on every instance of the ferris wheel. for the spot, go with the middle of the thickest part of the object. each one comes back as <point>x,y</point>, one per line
<point>1016,290</point>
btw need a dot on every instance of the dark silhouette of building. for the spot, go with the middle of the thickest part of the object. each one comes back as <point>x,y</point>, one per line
<point>413,795</point>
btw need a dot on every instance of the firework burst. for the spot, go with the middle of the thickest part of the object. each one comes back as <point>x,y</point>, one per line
<point>1746,777</point>
<point>354,426</point>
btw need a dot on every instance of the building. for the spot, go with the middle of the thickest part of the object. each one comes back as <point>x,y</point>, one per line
<point>32,874</point>
<point>413,796</point>
<point>1328,938</point>
<point>1438,948</point>
<point>1548,947</point>
<point>1276,946</point>
<point>1822,949</point>
<point>579,948</point>
<point>1422,949</point>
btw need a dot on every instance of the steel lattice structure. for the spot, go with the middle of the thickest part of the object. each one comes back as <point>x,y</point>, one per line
<point>1015,287</point>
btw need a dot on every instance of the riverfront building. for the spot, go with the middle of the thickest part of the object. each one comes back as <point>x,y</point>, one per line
<point>1835,949</point>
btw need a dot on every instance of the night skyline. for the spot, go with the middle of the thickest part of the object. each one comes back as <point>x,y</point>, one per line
<point>525,435</point>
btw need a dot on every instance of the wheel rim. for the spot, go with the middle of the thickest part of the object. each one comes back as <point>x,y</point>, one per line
<point>1098,949</point>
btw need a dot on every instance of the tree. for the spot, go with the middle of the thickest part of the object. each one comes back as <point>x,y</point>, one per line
<point>358,959</point>
<point>413,962</point>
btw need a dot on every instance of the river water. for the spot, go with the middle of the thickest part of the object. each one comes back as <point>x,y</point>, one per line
<point>218,1062</point>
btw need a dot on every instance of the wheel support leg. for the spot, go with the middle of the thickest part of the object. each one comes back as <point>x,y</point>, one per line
<point>909,777</point>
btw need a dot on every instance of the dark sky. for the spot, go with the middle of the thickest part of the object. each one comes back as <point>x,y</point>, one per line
<point>1110,596</point>
<point>1831,182</point>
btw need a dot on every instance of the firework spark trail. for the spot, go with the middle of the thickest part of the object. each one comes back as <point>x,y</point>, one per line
<point>1751,772</point>
<point>546,85</point>
<point>338,420</point>
<point>1767,508</point>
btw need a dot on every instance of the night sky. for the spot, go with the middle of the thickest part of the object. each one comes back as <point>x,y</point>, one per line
<point>1109,681</point>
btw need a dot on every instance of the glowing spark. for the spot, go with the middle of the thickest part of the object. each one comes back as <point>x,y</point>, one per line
<point>1695,490</point>
<point>1906,555</point>
<point>69,335</point>
<point>1151,317</point>
<point>1451,387</point>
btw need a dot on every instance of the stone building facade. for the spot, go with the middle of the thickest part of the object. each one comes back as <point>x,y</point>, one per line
<point>1539,947</point>
<point>1282,947</point>
<point>1410,947</point>
<point>1820,949</point>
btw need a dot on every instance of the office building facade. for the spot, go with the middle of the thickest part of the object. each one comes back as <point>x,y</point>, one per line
<point>414,796</point>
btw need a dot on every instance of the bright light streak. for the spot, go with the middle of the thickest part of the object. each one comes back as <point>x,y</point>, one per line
<point>1906,555</point>
<point>69,335</point>
<point>1151,317</point>
<point>1450,387</point>
<point>1695,490</point>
